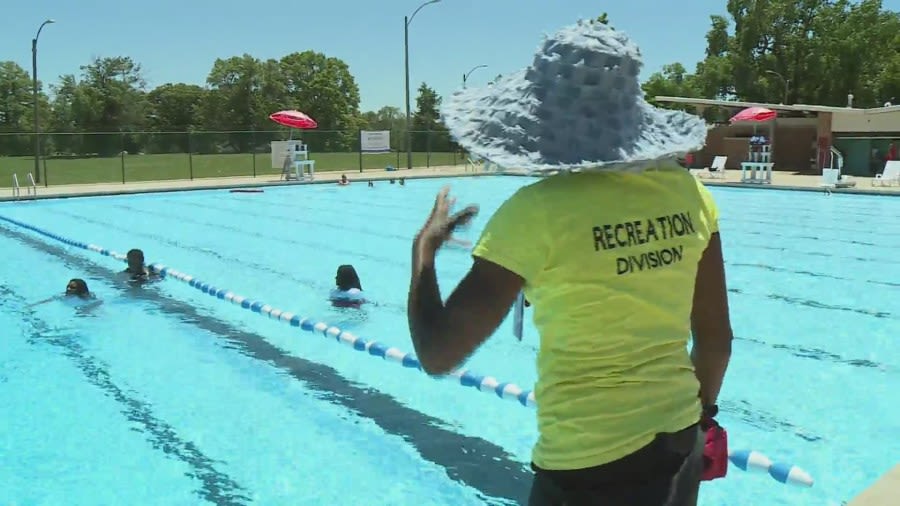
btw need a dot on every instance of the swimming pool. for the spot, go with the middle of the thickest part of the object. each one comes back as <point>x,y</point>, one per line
<point>165,395</point>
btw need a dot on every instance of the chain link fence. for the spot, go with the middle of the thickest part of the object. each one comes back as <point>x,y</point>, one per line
<point>84,158</point>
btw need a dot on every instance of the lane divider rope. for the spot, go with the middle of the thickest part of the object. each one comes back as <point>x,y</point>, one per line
<point>464,377</point>
<point>746,460</point>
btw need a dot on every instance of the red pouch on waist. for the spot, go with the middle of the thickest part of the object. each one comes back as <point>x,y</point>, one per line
<point>715,451</point>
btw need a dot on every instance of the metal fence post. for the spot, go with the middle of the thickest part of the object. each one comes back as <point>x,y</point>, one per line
<point>359,143</point>
<point>190,156</point>
<point>253,149</point>
<point>122,153</point>
<point>428,149</point>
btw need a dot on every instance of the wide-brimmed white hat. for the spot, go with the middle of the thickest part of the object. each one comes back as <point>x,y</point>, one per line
<point>578,106</point>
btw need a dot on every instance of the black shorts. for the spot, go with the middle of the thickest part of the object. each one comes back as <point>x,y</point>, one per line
<point>664,473</point>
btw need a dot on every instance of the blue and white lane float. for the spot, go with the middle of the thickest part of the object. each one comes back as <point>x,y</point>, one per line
<point>751,460</point>
<point>743,459</point>
<point>466,378</point>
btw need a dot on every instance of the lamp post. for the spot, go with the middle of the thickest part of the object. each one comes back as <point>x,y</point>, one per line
<point>34,93</point>
<point>467,74</point>
<point>406,21</point>
<point>786,81</point>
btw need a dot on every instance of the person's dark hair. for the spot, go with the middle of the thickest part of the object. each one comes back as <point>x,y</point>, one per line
<point>347,278</point>
<point>135,253</point>
<point>77,287</point>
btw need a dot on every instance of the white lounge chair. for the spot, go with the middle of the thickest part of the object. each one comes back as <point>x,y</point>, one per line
<point>890,176</point>
<point>716,170</point>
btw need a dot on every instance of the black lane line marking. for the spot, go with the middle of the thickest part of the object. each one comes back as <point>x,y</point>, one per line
<point>472,461</point>
<point>216,486</point>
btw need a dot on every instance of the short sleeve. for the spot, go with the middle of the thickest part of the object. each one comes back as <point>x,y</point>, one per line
<point>709,205</point>
<point>515,236</point>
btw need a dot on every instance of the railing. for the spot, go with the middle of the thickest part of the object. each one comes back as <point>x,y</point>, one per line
<point>17,189</point>
<point>33,186</point>
<point>122,157</point>
<point>840,160</point>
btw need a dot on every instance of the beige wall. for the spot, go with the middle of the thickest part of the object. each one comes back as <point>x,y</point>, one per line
<point>859,122</point>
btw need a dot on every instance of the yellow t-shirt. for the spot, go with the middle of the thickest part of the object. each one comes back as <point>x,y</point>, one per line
<point>609,261</point>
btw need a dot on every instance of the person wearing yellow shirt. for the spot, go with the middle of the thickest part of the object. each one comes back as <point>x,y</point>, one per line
<point>618,252</point>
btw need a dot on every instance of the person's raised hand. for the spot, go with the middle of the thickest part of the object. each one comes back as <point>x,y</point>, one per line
<point>441,224</point>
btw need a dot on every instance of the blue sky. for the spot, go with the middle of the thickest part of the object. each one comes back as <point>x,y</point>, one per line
<point>178,40</point>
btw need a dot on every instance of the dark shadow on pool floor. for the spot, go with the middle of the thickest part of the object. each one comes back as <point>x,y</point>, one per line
<point>215,485</point>
<point>472,461</point>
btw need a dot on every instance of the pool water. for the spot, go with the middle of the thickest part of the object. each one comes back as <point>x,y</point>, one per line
<point>164,395</point>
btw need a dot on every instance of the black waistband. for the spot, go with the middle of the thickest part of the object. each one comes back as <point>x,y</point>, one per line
<point>665,454</point>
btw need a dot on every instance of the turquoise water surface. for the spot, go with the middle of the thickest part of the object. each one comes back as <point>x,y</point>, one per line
<point>164,395</point>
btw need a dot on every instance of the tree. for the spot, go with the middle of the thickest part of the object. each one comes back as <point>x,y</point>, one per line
<point>244,91</point>
<point>16,110</point>
<point>64,121</point>
<point>235,102</point>
<point>108,98</point>
<point>673,81</point>
<point>173,108</point>
<point>385,118</point>
<point>818,51</point>
<point>324,88</point>
<point>427,129</point>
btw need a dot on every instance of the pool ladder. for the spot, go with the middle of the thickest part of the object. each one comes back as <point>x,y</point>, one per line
<point>29,190</point>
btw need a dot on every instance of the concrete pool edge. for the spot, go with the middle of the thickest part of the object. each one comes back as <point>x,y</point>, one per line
<point>883,492</point>
<point>227,183</point>
<point>795,182</point>
<point>803,183</point>
<point>850,191</point>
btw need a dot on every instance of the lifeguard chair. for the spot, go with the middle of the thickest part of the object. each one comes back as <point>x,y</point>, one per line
<point>293,158</point>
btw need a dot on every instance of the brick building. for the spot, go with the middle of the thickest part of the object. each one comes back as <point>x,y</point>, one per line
<point>805,138</point>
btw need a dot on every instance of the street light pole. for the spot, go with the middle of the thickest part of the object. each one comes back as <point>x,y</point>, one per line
<point>406,66</point>
<point>34,96</point>
<point>467,74</point>
<point>786,81</point>
<point>406,21</point>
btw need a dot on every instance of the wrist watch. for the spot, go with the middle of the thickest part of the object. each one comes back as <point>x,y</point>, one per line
<point>710,411</point>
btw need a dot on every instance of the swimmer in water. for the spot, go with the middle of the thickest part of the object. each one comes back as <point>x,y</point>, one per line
<point>371,184</point>
<point>344,181</point>
<point>77,287</point>
<point>402,181</point>
<point>348,289</point>
<point>136,269</point>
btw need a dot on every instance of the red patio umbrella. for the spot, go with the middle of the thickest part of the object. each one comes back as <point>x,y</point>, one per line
<point>755,114</point>
<point>293,119</point>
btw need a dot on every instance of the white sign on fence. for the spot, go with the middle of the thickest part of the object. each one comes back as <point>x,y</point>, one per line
<point>375,141</point>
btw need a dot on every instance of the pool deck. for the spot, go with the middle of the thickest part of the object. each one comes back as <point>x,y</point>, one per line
<point>884,492</point>
<point>802,182</point>
<point>266,181</point>
<point>781,180</point>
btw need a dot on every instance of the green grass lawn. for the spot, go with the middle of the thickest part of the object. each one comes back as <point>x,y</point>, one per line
<point>184,166</point>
